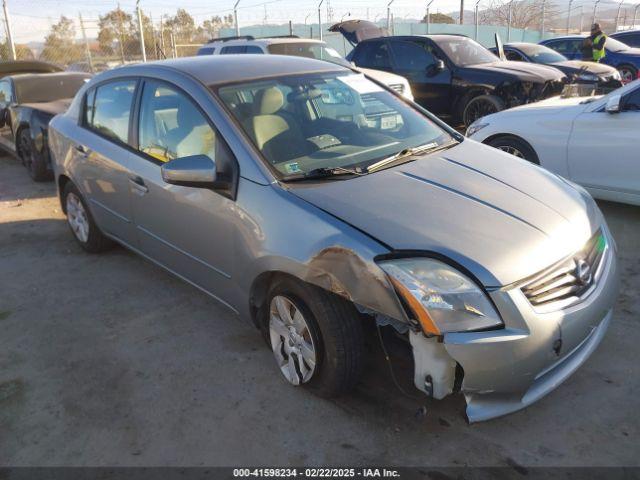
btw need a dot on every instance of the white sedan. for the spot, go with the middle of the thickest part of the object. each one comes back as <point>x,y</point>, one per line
<point>594,142</point>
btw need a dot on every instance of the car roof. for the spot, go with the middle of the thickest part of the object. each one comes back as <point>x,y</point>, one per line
<point>217,69</point>
<point>25,77</point>
<point>262,41</point>
<point>15,66</point>
<point>565,37</point>
<point>623,32</point>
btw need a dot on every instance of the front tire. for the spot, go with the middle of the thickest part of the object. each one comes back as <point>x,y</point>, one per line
<point>83,227</point>
<point>516,147</point>
<point>316,337</point>
<point>628,73</point>
<point>481,106</point>
<point>35,165</point>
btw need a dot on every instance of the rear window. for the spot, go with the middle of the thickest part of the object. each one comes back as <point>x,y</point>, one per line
<point>206,50</point>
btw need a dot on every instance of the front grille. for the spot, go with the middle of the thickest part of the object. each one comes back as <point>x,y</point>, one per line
<point>569,280</point>
<point>397,87</point>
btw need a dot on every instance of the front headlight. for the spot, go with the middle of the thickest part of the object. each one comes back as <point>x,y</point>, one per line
<point>616,75</point>
<point>475,127</point>
<point>443,299</point>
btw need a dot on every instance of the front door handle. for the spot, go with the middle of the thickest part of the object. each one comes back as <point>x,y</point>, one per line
<point>138,184</point>
<point>82,150</point>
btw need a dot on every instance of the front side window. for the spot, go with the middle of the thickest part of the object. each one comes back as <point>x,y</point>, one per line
<point>542,54</point>
<point>330,120</point>
<point>632,102</point>
<point>108,108</point>
<point>206,51</point>
<point>513,56</point>
<point>253,49</point>
<point>411,56</point>
<point>171,126</point>
<point>233,49</point>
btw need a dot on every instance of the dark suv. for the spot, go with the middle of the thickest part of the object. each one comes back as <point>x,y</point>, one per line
<point>456,77</point>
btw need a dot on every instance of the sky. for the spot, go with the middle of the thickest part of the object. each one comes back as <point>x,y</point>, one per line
<point>31,19</point>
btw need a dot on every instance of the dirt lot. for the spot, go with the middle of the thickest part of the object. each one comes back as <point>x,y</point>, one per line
<point>108,360</point>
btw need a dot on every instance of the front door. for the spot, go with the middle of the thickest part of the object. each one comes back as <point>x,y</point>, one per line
<point>188,230</point>
<point>602,148</point>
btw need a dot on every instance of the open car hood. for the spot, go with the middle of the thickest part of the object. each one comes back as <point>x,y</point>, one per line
<point>355,31</point>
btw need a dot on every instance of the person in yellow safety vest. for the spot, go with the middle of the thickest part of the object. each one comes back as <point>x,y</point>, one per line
<point>593,46</point>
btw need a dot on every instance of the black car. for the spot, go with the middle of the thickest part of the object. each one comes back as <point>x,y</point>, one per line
<point>577,71</point>
<point>629,37</point>
<point>452,75</point>
<point>27,103</point>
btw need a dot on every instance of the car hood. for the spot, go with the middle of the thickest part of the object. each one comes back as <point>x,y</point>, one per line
<point>574,66</point>
<point>546,107</point>
<point>52,108</point>
<point>355,31</point>
<point>526,72</point>
<point>501,218</point>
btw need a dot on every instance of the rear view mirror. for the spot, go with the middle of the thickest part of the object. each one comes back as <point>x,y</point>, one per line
<point>613,104</point>
<point>193,171</point>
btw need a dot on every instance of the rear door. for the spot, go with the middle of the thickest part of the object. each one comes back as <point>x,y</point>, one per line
<point>102,156</point>
<point>603,150</point>
<point>373,54</point>
<point>188,230</point>
<point>570,48</point>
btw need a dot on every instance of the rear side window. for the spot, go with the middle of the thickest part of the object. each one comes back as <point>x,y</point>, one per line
<point>633,101</point>
<point>514,56</point>
<point>253,49</point>
<point>234,49</point>
<point>206,51</point>
<point>5,92</point>
<point>108,109</point>
<point>373,55</point>
<point>631,39</point>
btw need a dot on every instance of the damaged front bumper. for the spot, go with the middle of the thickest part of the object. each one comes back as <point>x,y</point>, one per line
<point>508,369</point>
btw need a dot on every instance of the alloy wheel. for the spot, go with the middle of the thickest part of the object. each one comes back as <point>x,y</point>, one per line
<point>626,75</point>
<point>77,218</point>
<point>291,340</point>
<point>512,150</point>
<point>478,109</point>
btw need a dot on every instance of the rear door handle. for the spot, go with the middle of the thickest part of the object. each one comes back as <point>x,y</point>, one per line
<point>138,184</point>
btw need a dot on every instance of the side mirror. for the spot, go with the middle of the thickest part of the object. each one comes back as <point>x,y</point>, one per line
<point>194,171</point>
<point>436,68</point>
<point>613,104</point>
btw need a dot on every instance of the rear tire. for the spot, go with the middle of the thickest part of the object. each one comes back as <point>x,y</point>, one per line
<point>516,147</point>
<point>481,106</point>
<point>83,227</point>
<point>334,332</point>
<point>35,165</point>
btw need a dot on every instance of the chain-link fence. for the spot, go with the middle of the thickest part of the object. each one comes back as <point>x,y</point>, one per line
<point>94,41</point>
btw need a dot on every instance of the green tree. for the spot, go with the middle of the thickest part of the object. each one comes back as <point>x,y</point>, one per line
<point>59,45</point>
<point>117,32</point>
<point>183,26</point>
<point>211,27</point>
<point>438,18</point>
<point>22,52</point>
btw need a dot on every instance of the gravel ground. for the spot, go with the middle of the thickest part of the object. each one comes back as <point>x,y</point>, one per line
<point>108,360</point>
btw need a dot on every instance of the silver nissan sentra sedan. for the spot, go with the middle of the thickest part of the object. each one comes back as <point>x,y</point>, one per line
<point>312,200</point>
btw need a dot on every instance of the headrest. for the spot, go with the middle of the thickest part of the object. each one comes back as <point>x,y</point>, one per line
<point>269,101</point>
<point>186,116</point>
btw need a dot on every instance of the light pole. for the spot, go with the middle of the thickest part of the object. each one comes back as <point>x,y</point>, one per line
<point>429,15</point>
<point>142,49</point>
<point>306,18</point>
<point>618,15</point>
<point>389,16</point>
<point>476,19</point>
<point>320,19</point>
<point>595,9</point>
<point>569,16</point>
<point>235,17</point>
<point>581,15</point>
<point>509,22</point>
<point>542,20</point>
<point>7,20</point>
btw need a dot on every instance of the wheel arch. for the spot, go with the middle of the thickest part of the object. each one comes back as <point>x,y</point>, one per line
<point>62,182</point>
<point>496,136</point>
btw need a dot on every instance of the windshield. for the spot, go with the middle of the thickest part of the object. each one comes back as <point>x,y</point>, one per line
<point>47,88</point>
<point>541,54</point>
<point>614,45</point>
<point>309,50</point>
<point>331,120</point>
<point>464,52</point>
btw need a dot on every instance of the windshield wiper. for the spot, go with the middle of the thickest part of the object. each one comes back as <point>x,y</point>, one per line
<point>405,154</point>
<point>323,172</point>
